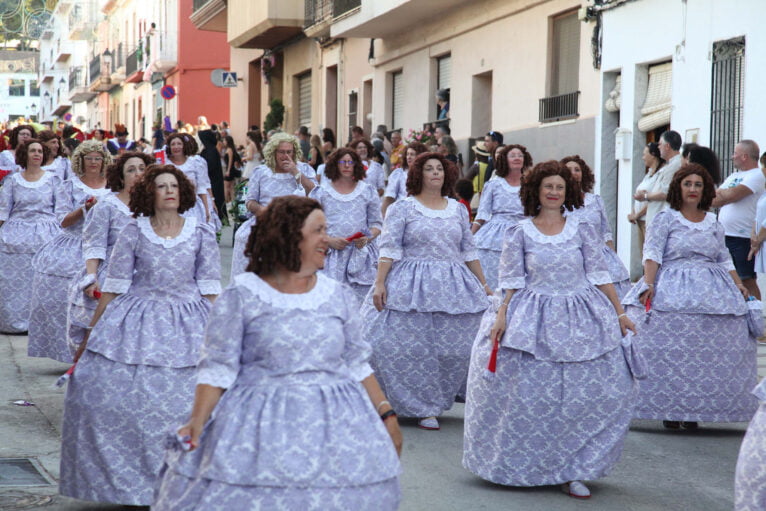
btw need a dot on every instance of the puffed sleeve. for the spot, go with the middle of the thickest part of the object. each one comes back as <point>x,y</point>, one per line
<point>392,238</point>
<point>6,199</point>
<point>724,256</point>
<point>486,202</point>
<point>119,275</point>
<point>68,174</point>
<point>317,193</point>
<point>254,186</point>
<point>95,232</point>
<point>309,172</point>
<point>379,180</point>
<point>220,353</point>
<point>657,236</point>
<point>374,216</point>
<point>391,187</point>
<point>357,351</point>
<point>65,203</point>
<point>512,272</point>
<point>208,262</point>
<point>594,262</point>
<point>203,178</point>
<point>467,247</point>
<point>606,230</point>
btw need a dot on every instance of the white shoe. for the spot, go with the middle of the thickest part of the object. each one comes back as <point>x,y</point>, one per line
<point>576,489</point>
<point>429,423</point>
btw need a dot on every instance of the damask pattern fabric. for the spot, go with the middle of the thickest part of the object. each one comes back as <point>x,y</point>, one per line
<point>61,167</point>
<point>347,214</point>
<point>294,426</point>
<point>750,482</point>
<point>397,185</point>
<point>701,358</point>
<point>195,168</point>
<point>28,210</point>
<point>375,175</point>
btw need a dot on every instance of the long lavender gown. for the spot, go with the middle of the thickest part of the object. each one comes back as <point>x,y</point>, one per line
<point>135,381</point>
<point>347,214</point>
<point>61,167</point>
<point>28,210</point>
<point>397,185</point>
<point>263,187</point>
<point>594,212</point>
<point>500,208</point>
<point>55,264</point>
<point>422,339</point>
<point>375,175</point>
<point>750,482</point>
<point>701,358</point>
<point>295,429</point>
<point>195,168</point>
<point>559,406</point>
<point>8,163</point>
<point>102,226</point>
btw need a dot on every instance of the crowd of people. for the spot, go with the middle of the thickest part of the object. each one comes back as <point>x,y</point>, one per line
<point>371,282</point>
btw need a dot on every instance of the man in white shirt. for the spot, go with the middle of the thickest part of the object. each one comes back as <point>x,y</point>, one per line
<point>737,197</point>
<point>670,146</point>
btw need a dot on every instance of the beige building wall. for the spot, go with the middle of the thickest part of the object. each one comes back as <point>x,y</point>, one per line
<point>240,96</point>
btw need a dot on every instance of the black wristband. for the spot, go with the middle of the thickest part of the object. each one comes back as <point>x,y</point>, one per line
<point>386,415</point>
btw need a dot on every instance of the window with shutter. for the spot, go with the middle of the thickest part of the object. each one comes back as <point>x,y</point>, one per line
<point>726,102</point>
<point>659,95</point>
<point>565,55</point>
<point>397,99</point>
<point>304,99</point>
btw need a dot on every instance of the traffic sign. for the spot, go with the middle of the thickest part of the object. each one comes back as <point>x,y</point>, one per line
<point>168,92</point>
<point>229,79</point>
<point>223,78</point>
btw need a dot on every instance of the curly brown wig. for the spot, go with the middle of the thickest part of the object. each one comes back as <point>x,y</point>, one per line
<point>188,141</point>
<point>48,135</point>
<point>530,187</point>
<point>13,138</point>
<point>142,196</point>
<point>274,240</point>
<point>588,179</point>
<point>114,173</point>
<point>332,170</point>
<point>354,143</point>
<point>708,188</point>
<point>419,149</point>
<point>415,174</point>
<point>501,164</point>
<point>22,152</point>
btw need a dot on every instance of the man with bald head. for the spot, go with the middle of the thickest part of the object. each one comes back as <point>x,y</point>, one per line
<point>737,197</point>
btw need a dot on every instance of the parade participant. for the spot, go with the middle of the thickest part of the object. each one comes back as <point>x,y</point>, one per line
<point>558,407</point>
<point>701,360</point>
<point>28,219</point>
<point>280,175</point>
<point>397,181</point>
<point>59,260</point>
<point>375,175</point>
<point>351,206</point>
<point>500,208</point>
<point>594,211</point>
<point>181,150</point>
<point>99,234</point>
<point>428,296</point>
<point>120,143</point>
<point>19,135</point>
<point>135,371</point>
<point>57,162</point>
<point>750,481</point>
<point>280,418</point>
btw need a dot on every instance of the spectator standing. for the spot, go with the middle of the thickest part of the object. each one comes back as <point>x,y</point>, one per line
<point>328,142</point>
<point>304,138</point>
<point>670,146</point>
<point>652,161</point>
<point>397,147</point>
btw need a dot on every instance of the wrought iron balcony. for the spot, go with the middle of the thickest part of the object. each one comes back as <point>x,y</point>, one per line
<point>559,108</point>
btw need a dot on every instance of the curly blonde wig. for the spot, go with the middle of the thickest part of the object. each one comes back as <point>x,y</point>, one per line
<point>90,146</point>
<point>270,151</point>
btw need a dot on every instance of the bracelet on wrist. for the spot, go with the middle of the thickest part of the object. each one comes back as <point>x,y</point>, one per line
<point>384,402</point>
<point>622,315</point>
<point>390,413</point>
<point>649,285</point>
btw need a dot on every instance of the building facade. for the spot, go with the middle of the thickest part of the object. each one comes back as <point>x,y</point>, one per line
<point>19,85</point>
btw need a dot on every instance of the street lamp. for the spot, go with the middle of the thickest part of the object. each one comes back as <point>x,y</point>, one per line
<point>106,58</point>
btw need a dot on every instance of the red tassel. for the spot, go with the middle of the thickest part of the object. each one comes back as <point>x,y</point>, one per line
<point>648,304</point>
<point>97,294</point>
<point>355,236</point>
<point>492,364</point>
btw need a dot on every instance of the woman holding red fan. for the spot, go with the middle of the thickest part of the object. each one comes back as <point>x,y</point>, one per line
<point>352,208</point>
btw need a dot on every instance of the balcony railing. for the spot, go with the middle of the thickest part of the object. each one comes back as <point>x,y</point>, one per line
<point>133,62</point>
<point>316,11</point>
<point>76,78</point>
<point>95,68</point>
<point>119,56</point>
<point>559,108</point>
<point>198,4</point>
<point>341,7</point>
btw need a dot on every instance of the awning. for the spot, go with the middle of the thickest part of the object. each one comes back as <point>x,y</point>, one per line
<point>658,104</point>
<point>615,98</point>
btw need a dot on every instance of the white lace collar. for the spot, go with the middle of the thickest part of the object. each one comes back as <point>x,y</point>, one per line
<point>97,192</point>
<point>113,199</point>
<point>508,186</point>
<point>186,232</point>
<point>434,213</point>
<point>32,184</point>
<point>346,197</point>
<point>706,223</point>
<point>310,300</point>
<point>569,230</point>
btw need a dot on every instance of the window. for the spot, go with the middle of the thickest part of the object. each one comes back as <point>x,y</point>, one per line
<point>658,103</point>
<point>353,104</point>
<point>304,99</point>
<point>443,76</point>
<point>397,99</point>
<point>726,105</point>
<point>34,88</point>
<point>15,87</point>
<point>564,55</point>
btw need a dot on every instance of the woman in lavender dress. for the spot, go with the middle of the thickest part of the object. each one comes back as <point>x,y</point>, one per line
<point>750,482</point>
<point>102,226</point>
<point>351,206</point>
<point>701,359</point>
<point>280,176</point>
<point>135,372</point>
<point>57,162</point>
<point>500,208</point>
<point>181,149</point>
<point>19,135</point>
<point>59,260</point>
<point>285,416</point>
<point>396,189</point>
<point>594,212</point>
<point>28,203</point>
<point>558,407</point>
<point>428,297</point>
<point>375,176</point>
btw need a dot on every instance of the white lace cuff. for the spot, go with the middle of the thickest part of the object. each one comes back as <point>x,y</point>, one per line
<point>650,254</point>
<point>94,253</point>
<point>391,253</point>
<point>118,286</point>
<point>360,371</point>
<point>209,287</point>
<point>599,277</point>
<point>216,376</point>
<point>470,255</point>
<point>513,283</point>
